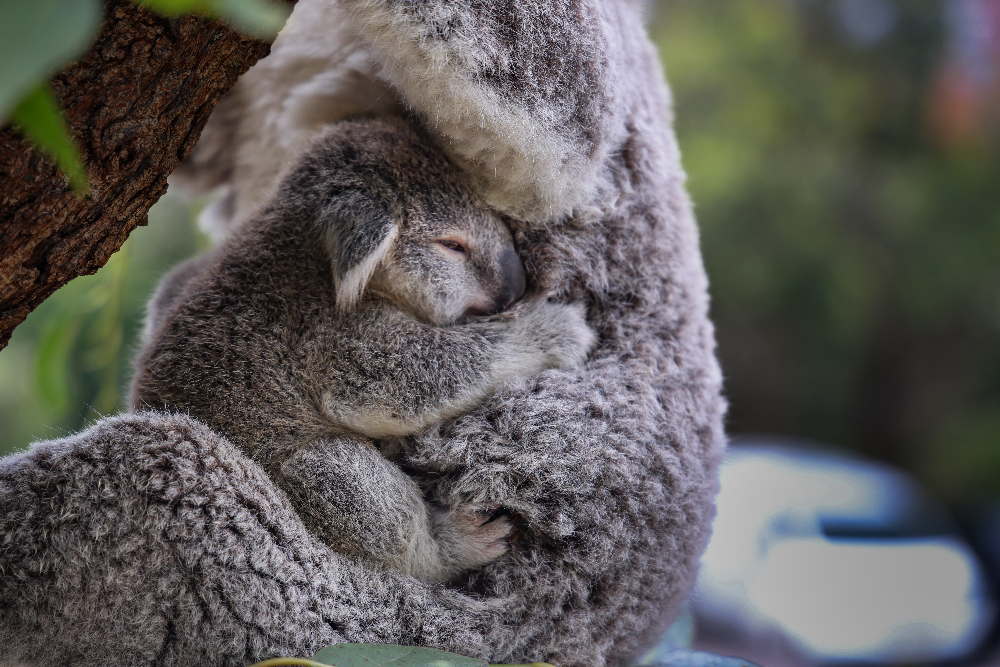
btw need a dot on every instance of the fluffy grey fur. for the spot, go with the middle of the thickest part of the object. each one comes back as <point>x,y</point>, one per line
<point>530,96</point>
<point>149,539</point>
<point>252,342</point>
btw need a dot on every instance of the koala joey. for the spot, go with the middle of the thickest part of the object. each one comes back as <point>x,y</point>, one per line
<point>350,308</point>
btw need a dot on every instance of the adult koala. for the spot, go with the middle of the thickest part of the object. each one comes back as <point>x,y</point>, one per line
<point>149,539</point>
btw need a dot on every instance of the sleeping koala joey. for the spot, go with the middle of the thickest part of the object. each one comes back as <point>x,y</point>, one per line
<point>354,307</point>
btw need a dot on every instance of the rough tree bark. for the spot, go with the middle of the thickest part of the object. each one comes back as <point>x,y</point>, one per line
<point>136,103</point>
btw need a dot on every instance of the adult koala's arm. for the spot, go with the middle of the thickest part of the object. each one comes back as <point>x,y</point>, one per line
<point>150,540</point>
<point>611,467</point>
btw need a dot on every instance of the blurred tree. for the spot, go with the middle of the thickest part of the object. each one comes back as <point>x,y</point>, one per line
<point>853,252</point>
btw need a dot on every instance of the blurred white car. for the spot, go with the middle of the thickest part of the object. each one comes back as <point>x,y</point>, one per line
<point>848,559</point>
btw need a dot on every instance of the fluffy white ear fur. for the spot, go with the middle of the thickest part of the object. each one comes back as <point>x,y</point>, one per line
<point>351,283</point>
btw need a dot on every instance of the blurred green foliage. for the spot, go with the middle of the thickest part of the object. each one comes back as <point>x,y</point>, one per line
<point>852,240</point>
<point>70,362</point>
<point>852,244</point>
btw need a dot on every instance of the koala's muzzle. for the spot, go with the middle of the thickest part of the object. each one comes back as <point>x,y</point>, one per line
<point>510,275</point>
<point>513,281</point>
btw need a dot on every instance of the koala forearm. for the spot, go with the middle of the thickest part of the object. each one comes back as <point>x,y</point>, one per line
<point>364,506</point>
<point>388,393</point>
<point>149,540</point>
<point>611,506</point>
<point>611,467</point>
<point>360,504</point>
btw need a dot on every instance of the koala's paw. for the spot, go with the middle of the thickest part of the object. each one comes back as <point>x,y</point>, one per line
<point>560,332</point>
<point>469,538</point>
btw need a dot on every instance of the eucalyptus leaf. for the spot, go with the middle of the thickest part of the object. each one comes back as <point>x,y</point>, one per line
<point>176,7</point>
<point>390,655</point>
<point>37,37</point>
<point>40,118</point>
<point>260,18</point>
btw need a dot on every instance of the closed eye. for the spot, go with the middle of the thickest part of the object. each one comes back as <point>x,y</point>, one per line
<point>454,246</point>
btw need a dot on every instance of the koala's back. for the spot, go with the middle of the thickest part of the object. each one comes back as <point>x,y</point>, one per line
<point>226,351</point>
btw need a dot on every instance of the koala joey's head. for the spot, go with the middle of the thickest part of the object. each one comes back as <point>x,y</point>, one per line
<point>400,223</point>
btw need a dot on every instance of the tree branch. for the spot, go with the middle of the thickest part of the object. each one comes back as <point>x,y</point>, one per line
<point>136,103</point>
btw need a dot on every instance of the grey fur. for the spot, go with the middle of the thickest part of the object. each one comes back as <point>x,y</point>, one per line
<point>527,96</point>
<point>149,539</point>
<point>252,342</point>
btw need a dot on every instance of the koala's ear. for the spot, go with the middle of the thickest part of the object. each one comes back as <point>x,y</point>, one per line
<point>358,242</point>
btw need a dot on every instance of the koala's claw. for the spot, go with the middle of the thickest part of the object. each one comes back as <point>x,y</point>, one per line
<point>492,513</point>
<point>497,512</point>
<point>473,538</point>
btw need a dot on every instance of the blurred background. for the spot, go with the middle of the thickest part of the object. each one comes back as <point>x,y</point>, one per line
<point>844,158</point>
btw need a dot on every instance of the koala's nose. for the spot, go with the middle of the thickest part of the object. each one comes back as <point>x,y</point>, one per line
<point>512,279</point>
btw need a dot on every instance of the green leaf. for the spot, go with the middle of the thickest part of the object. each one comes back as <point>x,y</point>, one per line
<point>260,18</point>
<point>39,117</point>
<point>390,655</point>
<point>177,7</point>
<point>36,38</point>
